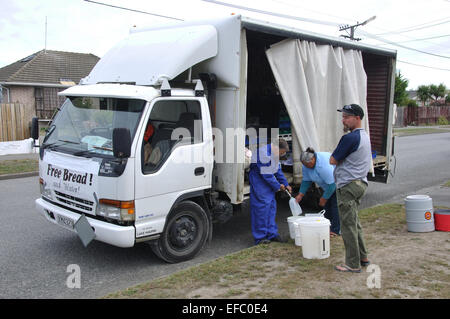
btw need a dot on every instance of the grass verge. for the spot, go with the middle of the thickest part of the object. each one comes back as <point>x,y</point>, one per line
<point>18,166</point>
<point>419,130</point>
<point>412,265</point>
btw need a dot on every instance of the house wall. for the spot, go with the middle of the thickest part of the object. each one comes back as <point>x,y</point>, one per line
<point>23,95</point>
<point>47,101</point>
<point>40,101</point>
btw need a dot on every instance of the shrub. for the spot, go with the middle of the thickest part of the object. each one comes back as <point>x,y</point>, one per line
<point>442,120</point>
<point>412,103</point>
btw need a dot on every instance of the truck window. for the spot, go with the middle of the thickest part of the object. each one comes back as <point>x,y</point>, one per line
<point>84,125</point>
<point>172,123</point>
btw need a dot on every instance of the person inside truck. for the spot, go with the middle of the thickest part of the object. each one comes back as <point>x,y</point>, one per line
<point>147,146</point>
<point>317,168</point>
<point>266,178</point>
<point>153,146</point>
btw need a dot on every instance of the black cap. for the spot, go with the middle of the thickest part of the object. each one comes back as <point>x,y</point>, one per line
<point>353,109</point>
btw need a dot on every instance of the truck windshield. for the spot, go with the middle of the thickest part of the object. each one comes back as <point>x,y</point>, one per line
<point>84,125</point>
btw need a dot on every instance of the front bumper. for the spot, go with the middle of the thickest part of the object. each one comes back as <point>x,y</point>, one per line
<point>120,236</point>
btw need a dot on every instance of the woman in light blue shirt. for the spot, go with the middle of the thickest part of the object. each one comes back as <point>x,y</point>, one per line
<point>317,168</point>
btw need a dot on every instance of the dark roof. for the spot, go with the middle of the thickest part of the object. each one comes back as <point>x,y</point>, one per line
<point>48,66</point>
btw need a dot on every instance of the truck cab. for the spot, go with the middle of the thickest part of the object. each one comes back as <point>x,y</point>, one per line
<point>125,197</point>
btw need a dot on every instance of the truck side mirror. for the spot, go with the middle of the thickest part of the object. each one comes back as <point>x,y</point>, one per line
<point>34,128</point>
<point>121,142</point>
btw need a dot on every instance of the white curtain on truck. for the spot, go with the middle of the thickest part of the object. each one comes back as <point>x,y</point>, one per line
<point>314,81</point>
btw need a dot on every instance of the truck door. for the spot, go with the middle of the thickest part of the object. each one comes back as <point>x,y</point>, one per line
<point>174,157</point>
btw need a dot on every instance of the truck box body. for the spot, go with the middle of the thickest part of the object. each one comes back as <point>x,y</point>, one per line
<point>235,53</point>
<point>129,83</point>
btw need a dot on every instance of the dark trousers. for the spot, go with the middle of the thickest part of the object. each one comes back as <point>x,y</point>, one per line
<point>332,213</point>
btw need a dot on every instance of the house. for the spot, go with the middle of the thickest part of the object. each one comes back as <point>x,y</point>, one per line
<point>36,80</point>
<point>412,95</point>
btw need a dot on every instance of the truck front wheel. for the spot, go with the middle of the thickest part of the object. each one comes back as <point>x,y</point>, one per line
<point>185,233</point>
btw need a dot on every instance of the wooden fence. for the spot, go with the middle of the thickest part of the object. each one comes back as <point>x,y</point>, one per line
<point>15,122</point>
<point>412,115</point>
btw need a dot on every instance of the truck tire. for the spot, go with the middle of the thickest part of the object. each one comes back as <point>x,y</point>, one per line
<point>185,233</point>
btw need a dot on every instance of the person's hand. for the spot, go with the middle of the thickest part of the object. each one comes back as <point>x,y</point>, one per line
<point>299,197</point>
<point>282,187</point>
<point>289,188</point>
<point>322,202</point>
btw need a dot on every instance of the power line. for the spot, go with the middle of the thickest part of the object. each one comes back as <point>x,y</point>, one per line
<point>417,27</point>
<point>424,66</point>
<point>274,14</point>
<point>282,16</point>
<point>430,38</point>
<point>400,45</point>
<point>412,39</point>
<point>133,10</point>
<point>315,11</point>
<point>352,28</point>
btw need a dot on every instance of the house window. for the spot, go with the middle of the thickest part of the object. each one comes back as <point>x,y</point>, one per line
<point>47,101</point>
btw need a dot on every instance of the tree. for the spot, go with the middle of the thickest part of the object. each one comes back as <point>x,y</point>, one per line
<point>423,93</point>
<point>437,91</point>
<point>400,95</point>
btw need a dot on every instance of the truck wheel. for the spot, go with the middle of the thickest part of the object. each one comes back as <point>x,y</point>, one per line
<point>185,233</point>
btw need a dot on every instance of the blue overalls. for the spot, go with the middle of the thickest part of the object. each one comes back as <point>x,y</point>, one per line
<point>263,186</point>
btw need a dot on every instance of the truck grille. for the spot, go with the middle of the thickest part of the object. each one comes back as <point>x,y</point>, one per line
<point>80,204</point>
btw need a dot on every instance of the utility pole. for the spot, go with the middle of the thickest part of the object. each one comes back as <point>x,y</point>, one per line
<point>45,45</point>
<point>352,28</point>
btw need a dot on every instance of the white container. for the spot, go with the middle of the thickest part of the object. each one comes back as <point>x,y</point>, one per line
<point>419,213</point>
<point>291,220</point>
<point>315,237</point>
<point>297,233</point>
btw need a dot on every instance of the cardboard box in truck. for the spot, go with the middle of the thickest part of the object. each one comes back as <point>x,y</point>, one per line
<point>153,145</point>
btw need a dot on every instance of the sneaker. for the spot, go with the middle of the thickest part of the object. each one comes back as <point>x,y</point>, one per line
<point>263,242</point>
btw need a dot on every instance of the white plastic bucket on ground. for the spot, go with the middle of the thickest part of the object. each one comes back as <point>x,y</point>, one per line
<point>419,213</point>
<point>297,231</point>
<point>315,237</point>
<point>291,220</point>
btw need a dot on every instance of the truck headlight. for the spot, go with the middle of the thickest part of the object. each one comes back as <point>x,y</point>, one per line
<point>45,192</point>
<point>115,209</point>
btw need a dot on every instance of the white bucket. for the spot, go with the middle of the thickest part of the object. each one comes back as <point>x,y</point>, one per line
<point>419,213</point>
<point>315,237</point>
<point>291,220</point>
<point>296,227</point>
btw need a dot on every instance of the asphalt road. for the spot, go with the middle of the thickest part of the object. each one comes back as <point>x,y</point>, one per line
<point>35,255</point>
<point>420,161</point>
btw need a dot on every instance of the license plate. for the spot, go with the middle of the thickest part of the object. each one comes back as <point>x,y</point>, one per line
<point>64,221</point>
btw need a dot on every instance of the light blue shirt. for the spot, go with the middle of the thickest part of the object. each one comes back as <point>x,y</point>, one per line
<point>322,173</point>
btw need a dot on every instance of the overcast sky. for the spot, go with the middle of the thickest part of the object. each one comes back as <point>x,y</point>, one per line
<point>80,26</point>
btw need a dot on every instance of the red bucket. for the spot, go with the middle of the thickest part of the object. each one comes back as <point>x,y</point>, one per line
<point>442,219</point>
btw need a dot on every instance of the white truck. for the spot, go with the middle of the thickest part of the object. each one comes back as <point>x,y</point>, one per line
<point>205,87</point>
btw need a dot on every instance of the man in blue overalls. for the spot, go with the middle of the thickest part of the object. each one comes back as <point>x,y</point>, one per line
<point>266,178</point>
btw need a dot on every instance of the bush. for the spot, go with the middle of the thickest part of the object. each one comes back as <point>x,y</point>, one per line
<point>412,103</point>
<point>442,120</point>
